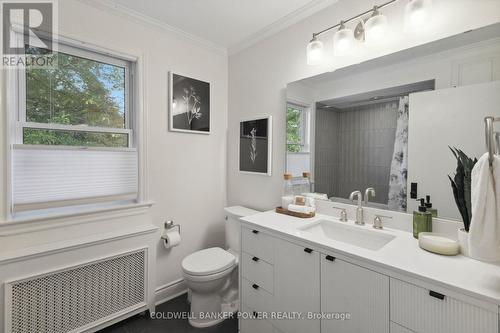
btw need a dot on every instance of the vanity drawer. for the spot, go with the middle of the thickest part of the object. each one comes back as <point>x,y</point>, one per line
<point>426,311</point>
<point>258,271</point>
<point>251,323</point>
<point>255,297</point>
<point>258,244</point>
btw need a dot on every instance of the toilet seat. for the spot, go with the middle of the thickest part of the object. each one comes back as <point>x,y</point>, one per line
<point>208,278</point>
<point>208,262</point>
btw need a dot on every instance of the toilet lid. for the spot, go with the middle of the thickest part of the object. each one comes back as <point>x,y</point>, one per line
<point>208,261</point>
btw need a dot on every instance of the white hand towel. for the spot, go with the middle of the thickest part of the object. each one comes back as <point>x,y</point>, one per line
<point>301,209</point>
<point>484,231</point>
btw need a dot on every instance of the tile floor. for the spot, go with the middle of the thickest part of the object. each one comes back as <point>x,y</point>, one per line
<point>144,324</point>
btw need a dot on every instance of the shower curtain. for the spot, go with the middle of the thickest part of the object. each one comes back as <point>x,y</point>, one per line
<point>399,164</point>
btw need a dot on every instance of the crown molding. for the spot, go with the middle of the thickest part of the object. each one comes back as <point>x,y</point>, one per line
<point>117,9</point>
<point>271,29</point>
<point>281,24</point>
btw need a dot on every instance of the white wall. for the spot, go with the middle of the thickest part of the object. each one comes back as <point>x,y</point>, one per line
<point>458,115</point>
<point>445,67</point>
<point>187,172</point>
<point>259,74</point>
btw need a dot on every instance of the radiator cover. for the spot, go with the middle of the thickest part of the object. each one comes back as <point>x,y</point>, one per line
<point>76,298</point>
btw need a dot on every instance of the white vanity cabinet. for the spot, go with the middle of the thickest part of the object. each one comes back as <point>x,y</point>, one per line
<point>296,286</point>
<point>282,277</point>
<point>424,310</point>
<point>355,291</point>
<point>279,280</point>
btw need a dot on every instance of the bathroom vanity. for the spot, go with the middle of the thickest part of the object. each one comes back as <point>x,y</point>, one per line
<point>342,277</point>
<point>385,125</point>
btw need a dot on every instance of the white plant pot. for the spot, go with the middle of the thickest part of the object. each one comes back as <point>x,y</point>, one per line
<point>463,241</point>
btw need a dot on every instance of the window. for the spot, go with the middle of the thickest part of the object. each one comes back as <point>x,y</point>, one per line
<point>74,136</point>
<point>83,101</point>
<point>297,129</point>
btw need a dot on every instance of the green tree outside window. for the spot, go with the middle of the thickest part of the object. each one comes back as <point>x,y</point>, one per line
<point>293,130</point>
<point>78,91</point>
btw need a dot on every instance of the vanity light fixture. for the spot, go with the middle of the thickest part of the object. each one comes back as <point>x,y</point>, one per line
<point>417,14</point>
<point>343,40</point>
<point>375,26</point>
<point>370,29</point>
<point>314,51</point>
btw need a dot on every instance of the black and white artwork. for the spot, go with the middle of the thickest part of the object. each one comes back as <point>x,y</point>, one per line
<point>189,104</point>
<point>255,146</point>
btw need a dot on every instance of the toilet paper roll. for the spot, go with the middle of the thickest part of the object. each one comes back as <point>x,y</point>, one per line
<point>171,238</point>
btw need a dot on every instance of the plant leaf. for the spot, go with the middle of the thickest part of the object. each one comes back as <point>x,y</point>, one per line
<point>461,184</point>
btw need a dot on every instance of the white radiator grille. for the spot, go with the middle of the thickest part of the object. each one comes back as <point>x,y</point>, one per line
<point>67,300</point>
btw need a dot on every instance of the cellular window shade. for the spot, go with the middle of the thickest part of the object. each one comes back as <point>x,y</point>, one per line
<point>56,177</point>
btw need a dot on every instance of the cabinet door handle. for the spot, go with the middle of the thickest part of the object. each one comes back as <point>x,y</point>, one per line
<point>255,286</point>
<point>255,231</point>
<point>308,250</point>
<point>255,259</point>
<point>436,295</point>
<point>330,258</point>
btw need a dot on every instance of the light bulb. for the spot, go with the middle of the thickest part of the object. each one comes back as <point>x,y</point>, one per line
<point>342,40</point>
<point>314,52</point>
<point>375,27</point>
<point>174,103</point>
<point>417,14</point>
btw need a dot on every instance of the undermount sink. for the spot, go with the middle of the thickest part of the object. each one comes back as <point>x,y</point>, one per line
<point>357,236</point>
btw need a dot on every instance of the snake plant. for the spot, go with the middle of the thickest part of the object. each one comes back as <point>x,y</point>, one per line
<point>461,185</point>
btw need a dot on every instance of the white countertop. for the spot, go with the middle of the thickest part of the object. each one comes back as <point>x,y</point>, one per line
<point>402,256</point>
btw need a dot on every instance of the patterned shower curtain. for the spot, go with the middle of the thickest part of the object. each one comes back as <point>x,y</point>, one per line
<point>399,164</point>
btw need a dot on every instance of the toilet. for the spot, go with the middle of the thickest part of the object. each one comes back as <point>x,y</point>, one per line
<point>212,274</point>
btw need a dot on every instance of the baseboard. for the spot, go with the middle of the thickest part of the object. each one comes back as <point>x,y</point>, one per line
<point>169,291</point>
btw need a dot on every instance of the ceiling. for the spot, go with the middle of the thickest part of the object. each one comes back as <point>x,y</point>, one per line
<point>229,24</point>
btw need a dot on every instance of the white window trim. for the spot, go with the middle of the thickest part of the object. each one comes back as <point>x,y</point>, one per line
<point>87,53</point>
<point>8,223</point>
<point>304,128</point>
<point>21,125</point>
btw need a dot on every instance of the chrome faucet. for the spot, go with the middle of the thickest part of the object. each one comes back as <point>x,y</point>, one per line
<point>377,221</point>
<point>369,191</point>
<point>343,214</point>
<point>359,210</point>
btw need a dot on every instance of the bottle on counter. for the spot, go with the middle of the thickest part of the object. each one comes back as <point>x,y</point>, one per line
<point>422,219</point>
<point>428,205</point>
<point>288,193</point>
<point>305,183</point>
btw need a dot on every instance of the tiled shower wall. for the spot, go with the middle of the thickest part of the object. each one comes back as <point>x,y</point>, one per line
<point>326,153</point>
<point>354,149</point>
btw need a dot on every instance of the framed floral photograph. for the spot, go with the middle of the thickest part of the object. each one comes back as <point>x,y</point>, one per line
<point>189,104</point>
<point>255,146</point>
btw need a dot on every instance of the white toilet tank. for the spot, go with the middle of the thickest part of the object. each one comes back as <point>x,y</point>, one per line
<point>233,227</point>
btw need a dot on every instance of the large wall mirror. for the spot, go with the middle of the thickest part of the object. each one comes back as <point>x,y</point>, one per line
<point>389,123</point>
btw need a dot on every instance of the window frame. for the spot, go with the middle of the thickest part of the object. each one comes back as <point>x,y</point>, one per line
<point>12,224</point>
<point>20,83</point>
<point>303,128</point>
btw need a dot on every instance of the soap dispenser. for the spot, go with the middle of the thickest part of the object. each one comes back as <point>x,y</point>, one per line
<point>428,205</point>
<point>422,219</point>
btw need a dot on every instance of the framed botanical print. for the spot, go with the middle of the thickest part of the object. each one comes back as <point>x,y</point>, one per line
<point>255,146</point>
<point>189,104</point>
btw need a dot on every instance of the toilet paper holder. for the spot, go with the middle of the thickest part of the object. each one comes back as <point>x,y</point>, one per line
<point>170,225</point>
